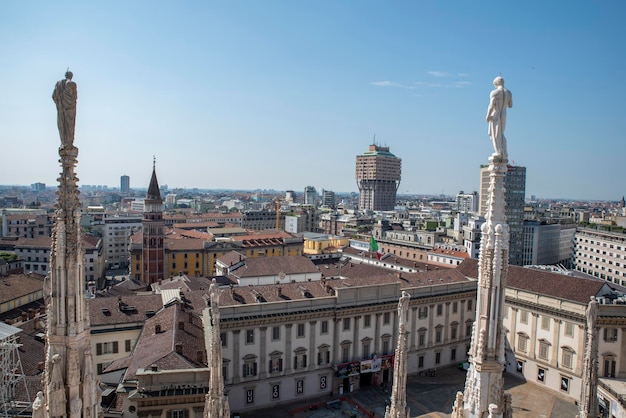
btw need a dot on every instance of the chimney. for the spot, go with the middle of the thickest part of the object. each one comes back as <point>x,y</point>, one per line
<point>37,324</point>
<point>31,313</point>
<point>179,348</point>
<point>279,290</point>
<point>42,309</point>
<point>157,329</point>
<point>199,356</point>
<point>154,368</point>
<point>24,316</point>
<point>399,275</point>
<point>181,325</point>
<point>190,318</point>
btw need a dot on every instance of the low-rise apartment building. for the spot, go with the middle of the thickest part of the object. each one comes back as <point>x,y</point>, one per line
<point>601,254</point>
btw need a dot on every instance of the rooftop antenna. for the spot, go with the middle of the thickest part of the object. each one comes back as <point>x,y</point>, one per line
<point>374,140</point>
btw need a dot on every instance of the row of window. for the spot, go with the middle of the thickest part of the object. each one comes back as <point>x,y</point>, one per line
<point>545,323</point>
<point>542,374</point>
<point>112,347</point>
<point>367,323</point>
<point>275,392</point>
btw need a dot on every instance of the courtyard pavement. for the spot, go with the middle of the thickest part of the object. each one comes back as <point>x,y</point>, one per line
<point>427,397</point>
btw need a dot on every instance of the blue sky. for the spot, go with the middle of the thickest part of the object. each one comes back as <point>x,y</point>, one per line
<point>285,94</point>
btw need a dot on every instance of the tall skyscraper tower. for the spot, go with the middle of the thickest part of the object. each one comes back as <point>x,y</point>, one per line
<point>377,177</point>
<point>153,233</point>
<point>70,388</point>
<point>310,196</point>
<point>124,184</point>
<point>515,197</point>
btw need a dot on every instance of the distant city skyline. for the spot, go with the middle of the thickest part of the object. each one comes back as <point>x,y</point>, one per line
<point>280,95</point>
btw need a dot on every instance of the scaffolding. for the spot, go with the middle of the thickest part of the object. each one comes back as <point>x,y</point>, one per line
<point>11,374</point>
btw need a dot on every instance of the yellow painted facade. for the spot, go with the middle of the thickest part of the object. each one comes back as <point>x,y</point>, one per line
<point>321,246</point>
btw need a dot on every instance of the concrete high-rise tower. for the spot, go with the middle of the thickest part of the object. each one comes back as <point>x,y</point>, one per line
<point>377,177</point>
<point>310,196</point>
<point>70,387</point>
<point>514,197</point>
<point>125,184</point>
<point>153,233</point>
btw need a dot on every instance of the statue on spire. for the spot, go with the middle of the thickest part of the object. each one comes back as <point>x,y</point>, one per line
<point>499,99</point>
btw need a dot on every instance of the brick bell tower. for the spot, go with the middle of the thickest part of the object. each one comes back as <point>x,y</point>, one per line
<point>153,253</point>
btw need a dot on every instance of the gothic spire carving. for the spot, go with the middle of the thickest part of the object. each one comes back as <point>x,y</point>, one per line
<point>588,405</point>
<point>484,386</point>
<point>216,402</point>
<point>68,369</point>
<point>398,407</point>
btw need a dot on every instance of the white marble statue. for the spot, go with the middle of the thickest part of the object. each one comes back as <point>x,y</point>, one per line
<point>39,407</point>
<point>65,96</point>
<point>499,99</point>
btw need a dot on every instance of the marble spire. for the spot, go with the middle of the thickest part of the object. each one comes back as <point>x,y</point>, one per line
<point>484,385</point>
<point>397,407</point>
<point>216,402</point>
<point>70,386</point>
<point>588,405</point>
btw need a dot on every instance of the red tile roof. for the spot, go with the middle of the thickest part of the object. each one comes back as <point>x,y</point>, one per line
<point>576,289</point>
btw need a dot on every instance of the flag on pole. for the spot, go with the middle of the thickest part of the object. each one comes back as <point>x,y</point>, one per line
<point>374,248</point>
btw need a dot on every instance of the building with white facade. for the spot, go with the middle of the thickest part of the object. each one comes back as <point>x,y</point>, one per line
<point>601,254</point>
<point>546,326</point>
<point>548,243</point>
<point>117,232</point>
<point>467,202</point>
<point>26,223</point>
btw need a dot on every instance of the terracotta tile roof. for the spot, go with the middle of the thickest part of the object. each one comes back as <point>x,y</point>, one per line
<point>269,266</point>
<point>185,283</point>
<point>354,274</point>
<point>576,289</point>
<point>112,310</point>
<point>32,351</point>
<point>174,346</point>
<point>14,286</point>
<point>263,235</point>
<point>231,257</point>
<point>196,225</point>
<point>126,287</point>
<point>389,259</point>
<point>177,233</point>
<point>452,253</point>
<point>89,241</point>
<point>39,242</point>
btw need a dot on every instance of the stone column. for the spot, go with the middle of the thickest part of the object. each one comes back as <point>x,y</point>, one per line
<point>556,343</point>
<point>431,329</point>
<point>377,346</point>
<point>355,338</point>
<point>236,363</point>
<point>263,353</point>
<point>533,335</point>
<point>395,330</point>
<point>513,330</point>
<point>312,350</point>
<point>413,328</point>
<point>336,357</point>
<point>288,352</point>
<point>446,323</point>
